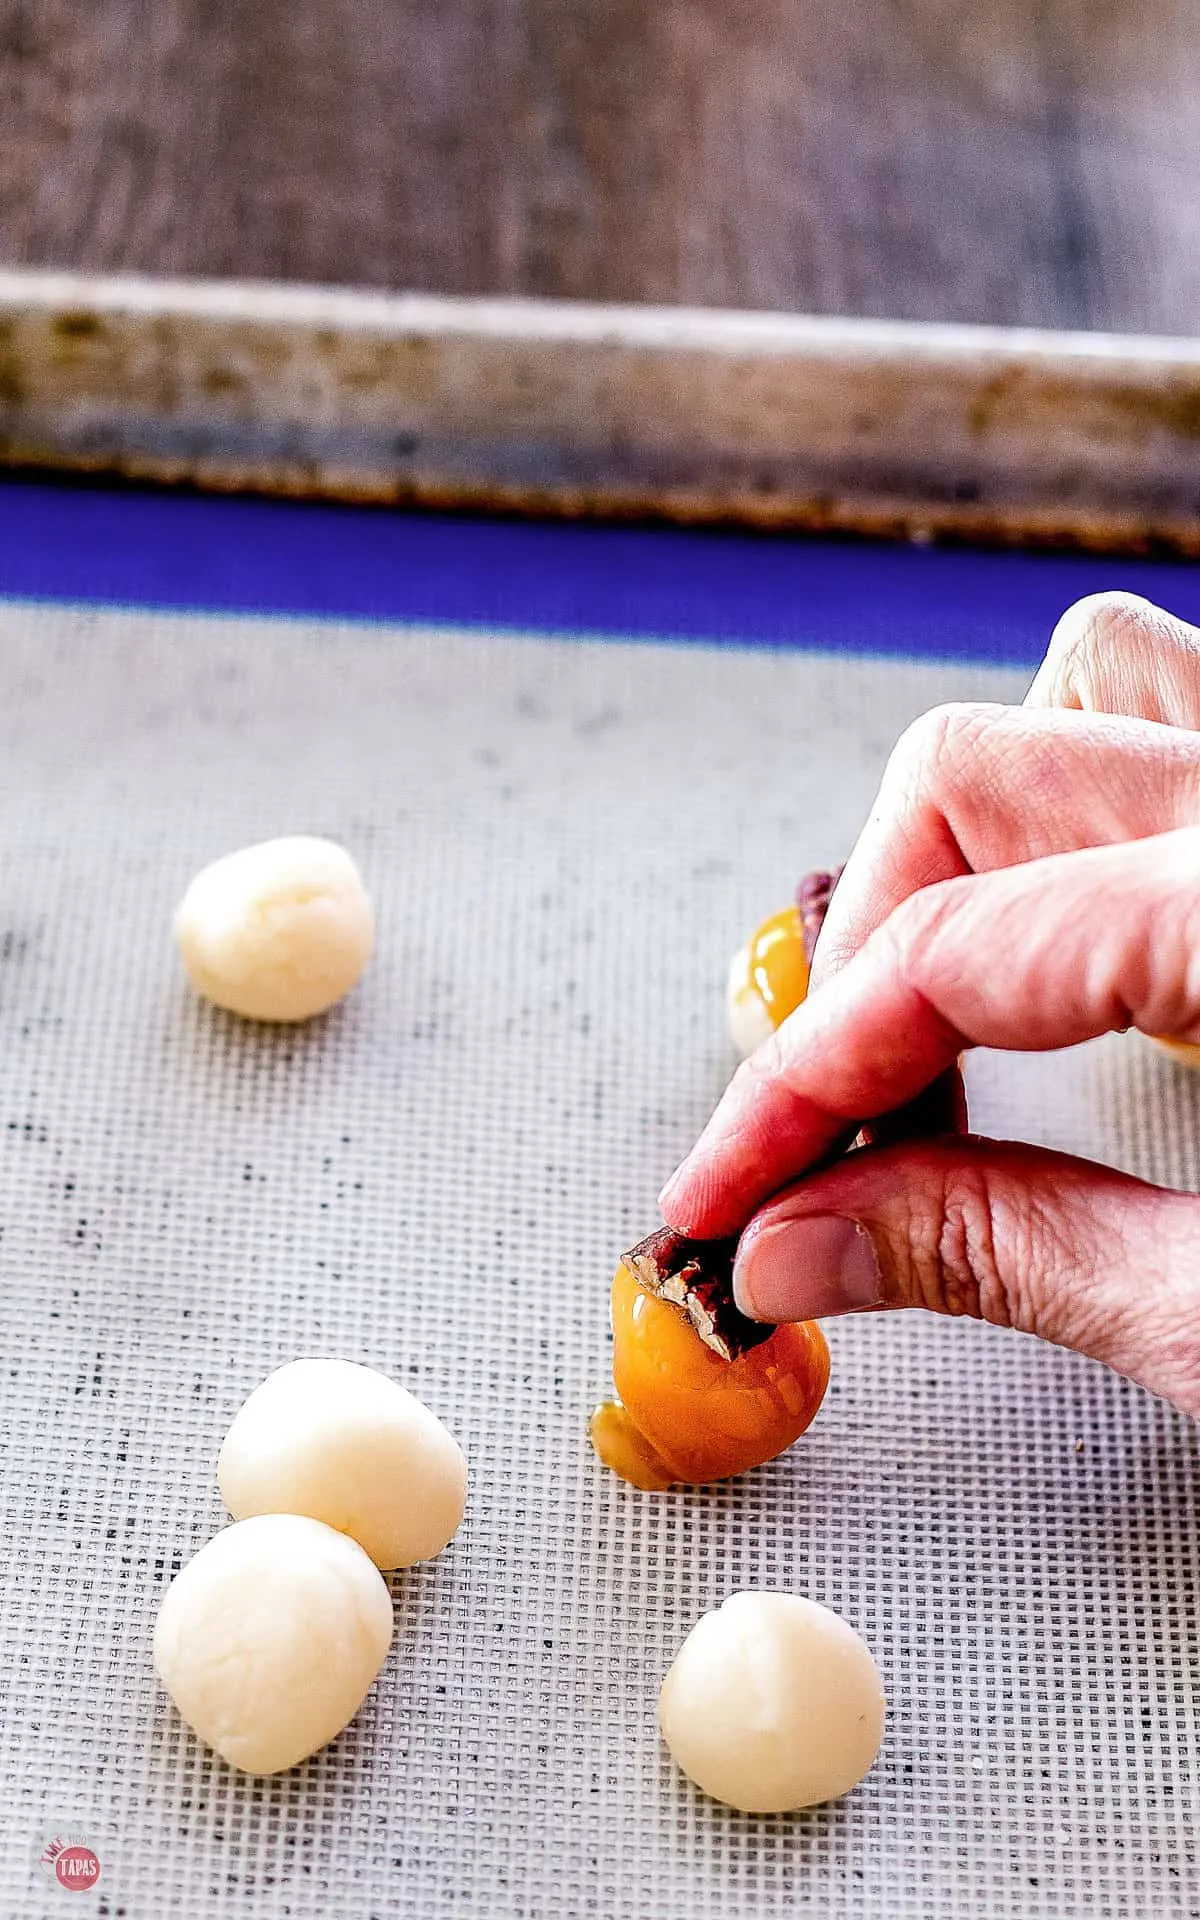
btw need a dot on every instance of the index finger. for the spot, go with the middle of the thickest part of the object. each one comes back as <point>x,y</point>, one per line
<point>1029,958</point>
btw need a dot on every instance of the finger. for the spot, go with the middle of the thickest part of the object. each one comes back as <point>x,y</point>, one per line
<point>1117,653</point>
<point>1033,957</point>
<point>971,788</point>
<point>1015,1235</point>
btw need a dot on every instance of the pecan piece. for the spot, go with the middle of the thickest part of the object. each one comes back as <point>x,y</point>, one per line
<point>697,1277</point>
<point>812,901</point>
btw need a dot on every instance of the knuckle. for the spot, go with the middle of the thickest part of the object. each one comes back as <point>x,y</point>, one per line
<point>931,754</point>
<point>990,1247</point>
<point>910,932</point>
<point>1102,627</point>
<point>768,1063</point>
<point>968,1265</point>
<point>954,1251</point>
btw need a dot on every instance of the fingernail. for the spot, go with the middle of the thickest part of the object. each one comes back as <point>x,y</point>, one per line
<point>806,1269</point>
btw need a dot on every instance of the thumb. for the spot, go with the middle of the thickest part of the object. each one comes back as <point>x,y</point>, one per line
<point>1015,1235</point>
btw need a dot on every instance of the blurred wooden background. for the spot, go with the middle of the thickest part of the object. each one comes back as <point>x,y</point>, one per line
<point>1014,161</point>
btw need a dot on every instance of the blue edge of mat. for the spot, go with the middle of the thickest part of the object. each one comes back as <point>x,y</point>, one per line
<point>114,546</point>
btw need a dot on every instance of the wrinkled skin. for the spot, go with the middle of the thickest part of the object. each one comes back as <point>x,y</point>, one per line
<point>1029,878</point>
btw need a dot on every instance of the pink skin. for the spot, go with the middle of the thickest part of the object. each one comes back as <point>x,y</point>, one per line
<point>1028,879</point>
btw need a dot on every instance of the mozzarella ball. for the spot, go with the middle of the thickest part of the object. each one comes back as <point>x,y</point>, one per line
<point>346,1445</point>
<point>270,1637</point>
<point>279,931</point>
<point>773,1703</point>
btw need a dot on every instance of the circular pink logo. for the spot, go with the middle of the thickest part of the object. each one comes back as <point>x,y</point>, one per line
<point>75,1866</point>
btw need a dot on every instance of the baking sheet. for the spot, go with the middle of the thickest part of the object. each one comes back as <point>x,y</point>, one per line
<point>1002,434</point>
<point>565,841</point>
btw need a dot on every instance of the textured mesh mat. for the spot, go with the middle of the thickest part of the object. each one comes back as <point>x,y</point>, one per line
<point>565,842</point>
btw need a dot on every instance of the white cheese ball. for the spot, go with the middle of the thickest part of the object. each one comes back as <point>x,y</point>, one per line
<point>270,1637</point>
<point>279,931</point>
<point>749,1022</point>
<point>346,1445</point>
<point>773,1703</point>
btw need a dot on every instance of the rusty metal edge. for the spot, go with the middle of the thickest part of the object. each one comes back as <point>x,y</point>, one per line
<point>522,406</point>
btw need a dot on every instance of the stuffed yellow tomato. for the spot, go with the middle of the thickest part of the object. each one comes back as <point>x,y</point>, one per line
<point>702,1392</point>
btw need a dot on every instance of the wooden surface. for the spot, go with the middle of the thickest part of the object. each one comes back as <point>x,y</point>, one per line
<point>1006,161</point>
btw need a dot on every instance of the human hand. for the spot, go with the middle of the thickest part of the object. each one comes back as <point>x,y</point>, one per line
<point>1027,880</point>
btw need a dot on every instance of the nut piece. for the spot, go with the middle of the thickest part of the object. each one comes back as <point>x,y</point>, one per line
<point>773,1703</point>
<point>346,1445</point>
<point>697,1276</point>
<point>279,931</point>
<point>812,902</point>
<point>270,1637</point>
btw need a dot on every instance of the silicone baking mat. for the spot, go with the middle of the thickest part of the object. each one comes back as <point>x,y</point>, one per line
<point>565,839</point>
